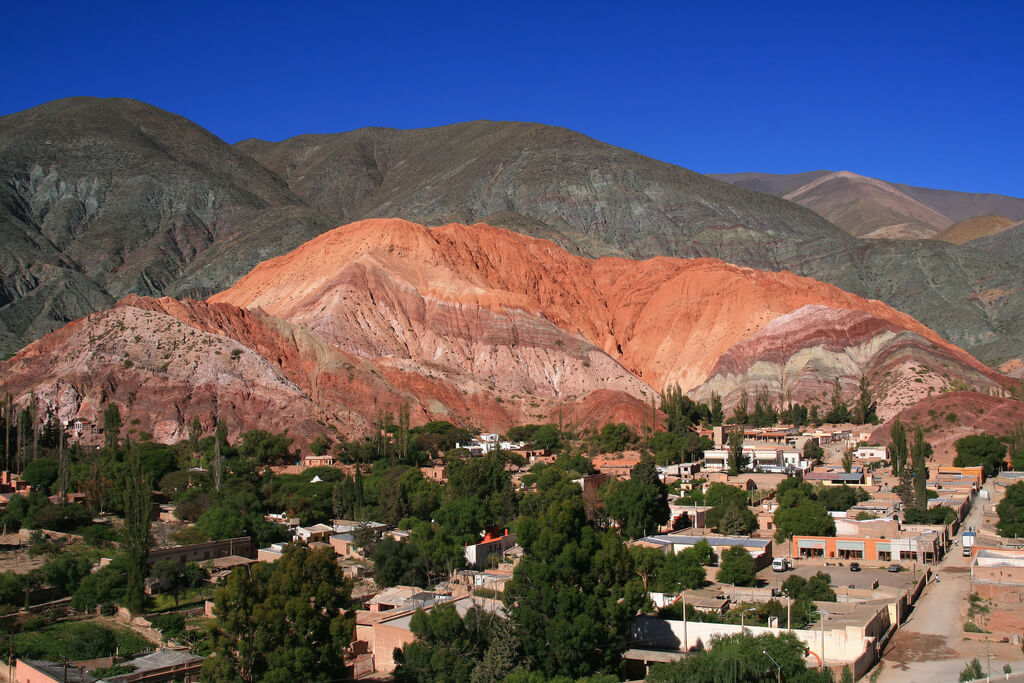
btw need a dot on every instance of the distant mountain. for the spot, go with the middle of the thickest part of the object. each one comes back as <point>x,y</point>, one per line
<point>974,228</point>
<point>868,207</point>
<point>100,198</point>
<point>481,326</point>
<point>103,198</point>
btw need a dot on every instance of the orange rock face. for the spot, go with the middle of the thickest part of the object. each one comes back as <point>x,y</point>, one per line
<point>476,325</point>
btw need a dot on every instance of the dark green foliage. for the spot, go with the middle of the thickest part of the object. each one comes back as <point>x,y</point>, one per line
<point>740,658</point>
<point>266,448</point>
<point>574,594</point>
<point>41,473</point>
<point>479,647</point>
<point>157,460</point>
<point>398,563</point>
<point>282,622</point>
<point>66,570</point>
<point>1011,512</point>
<point>1016,443</point>
<point>972,671</point>
<point>838,411</point>
<point>112,670</point>
<point>764,414</point>
<point>812,451</point>
<point>615,436</point>
<point>739,413</point>
<point>640,504</point>
<point>59,518</point>
<point>818,587</point>
<point>799,513</point>
<point>738,460</point>
<point>77,640</point>
<point>897,448</point>
<point>681,411</point>
<point>920,450</point>
<point>936,515</point>
<point>135,537</point>
<point>102,587</point>
<point>864,406</point>
<point>980,449</point>
<point>737,567</point>
<point>840,498</point>
<point>171,626</point>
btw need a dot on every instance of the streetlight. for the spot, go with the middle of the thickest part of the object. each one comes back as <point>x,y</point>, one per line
<point>824,616</point>
<point>778,669</point>
<point>749,609</point>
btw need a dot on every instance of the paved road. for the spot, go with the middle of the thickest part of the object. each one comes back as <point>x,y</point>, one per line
<point>930,646</point>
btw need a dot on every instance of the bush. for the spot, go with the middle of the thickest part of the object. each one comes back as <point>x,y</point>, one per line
<point>79,640</point>
<point>972,672</point>
<point>971,627</point>
<point>737,567</point>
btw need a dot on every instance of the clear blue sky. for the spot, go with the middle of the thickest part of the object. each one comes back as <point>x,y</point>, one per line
<point>929,93</point>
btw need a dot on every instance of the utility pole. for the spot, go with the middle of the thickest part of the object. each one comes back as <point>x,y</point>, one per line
<point>778,669</point>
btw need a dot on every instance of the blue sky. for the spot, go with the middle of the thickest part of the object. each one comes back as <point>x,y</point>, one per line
<point>930,94</point>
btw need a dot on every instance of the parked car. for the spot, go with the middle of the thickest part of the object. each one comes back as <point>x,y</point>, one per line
<point>894,568</point>
<point>855,566</point>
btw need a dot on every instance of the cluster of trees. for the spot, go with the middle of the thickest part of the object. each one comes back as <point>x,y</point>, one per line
<point>1011,512</point>
<point>743,658</point>
<point>804,510</point>
<point>639,504</point>
<point>672,573</point>
<point>981,449</point>
<point>910,465</point>
<point>729,513</point>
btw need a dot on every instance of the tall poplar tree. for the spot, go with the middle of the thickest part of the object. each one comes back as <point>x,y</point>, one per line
<point>919,452</point>
<point>135,537</point>
<point>897,449</point>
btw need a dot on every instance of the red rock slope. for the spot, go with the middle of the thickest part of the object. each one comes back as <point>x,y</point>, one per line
<point>477,325</point>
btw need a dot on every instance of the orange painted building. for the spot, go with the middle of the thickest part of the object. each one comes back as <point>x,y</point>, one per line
<point>924,548</point>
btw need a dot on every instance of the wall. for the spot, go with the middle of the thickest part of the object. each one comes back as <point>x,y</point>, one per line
<point>200,552</point>
<point>385,640</point>
<point>841,646</point>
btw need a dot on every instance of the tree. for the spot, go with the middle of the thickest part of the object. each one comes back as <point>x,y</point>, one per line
<point>451,648</point>
<point>574,594</point>
<point>1016,441</point>
<point>680,571</point>
<point>614,436</point>
<point>717,417</point>
<point>738,460</point>
<point>864,408</point>
<point>1011,512</point>
<point>135,537</point>
<point>195,432</point>
<point>980,449</point>
<point>739,413</point>
<point>805,518</point>
<point>838,412</point>
<point>919,452</point>
<point>972,671</point>
<point>897,448</point>
<point>320,445</point>
<point>847,460</point>
<point>813,452</point>
<point>737,567</point>
<point>740,658</point>
<point>111,426</point>
<point>737,521</point>
<point>639,505</point>
<point>282,622</point>
<point>41,473</point>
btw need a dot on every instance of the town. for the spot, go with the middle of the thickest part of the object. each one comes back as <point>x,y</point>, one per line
<point>437,553</point>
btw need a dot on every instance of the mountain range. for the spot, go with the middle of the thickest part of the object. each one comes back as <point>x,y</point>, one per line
<point>102,198</point>
<point>479,325</point>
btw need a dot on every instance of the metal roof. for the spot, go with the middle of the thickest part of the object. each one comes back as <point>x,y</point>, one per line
<point>713,541</point>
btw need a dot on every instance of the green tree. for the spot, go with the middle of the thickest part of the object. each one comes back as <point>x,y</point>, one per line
<point>737,520</point>
<point>813,452</point>
<point>838,411</point>
<point>738,460</point>
<point>741,658</point>
<point>450,648</point>
<point>739,413</point>
<point>639,505</point>
<point>1016,441</point>
<point>282,622</point>
<point>980,449</point>
<point>717,417</point>
<point>919,452</point>
<point>574,594</point>
<point>195,432</point>
<point>897,448</point>
<point>135,537</point>
<point>737,567</point>
<point>804,518</point>
<point>111,426</point>
<point>972,672</point>
<point>1011,512</point>
<point>41,473</point>
<point>847,460</point>
<point>680,571</point>
<point>614,436</point>
<point>864,407</point>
